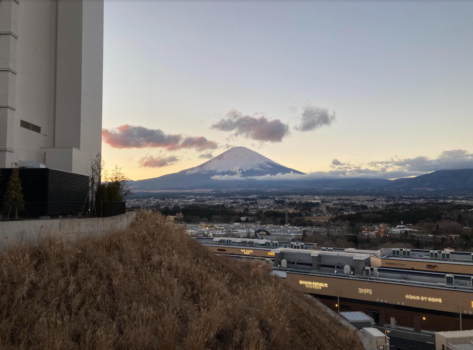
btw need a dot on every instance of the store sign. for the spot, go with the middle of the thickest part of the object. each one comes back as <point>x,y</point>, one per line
<point>365,291</point>
<point>313,285</point>
<point>424,299</point>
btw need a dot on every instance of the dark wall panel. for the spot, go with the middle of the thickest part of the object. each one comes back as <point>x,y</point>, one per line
<point>48,192</point>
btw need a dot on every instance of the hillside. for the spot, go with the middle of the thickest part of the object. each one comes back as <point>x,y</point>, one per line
<point>152,287</point>
<point>442,180</point>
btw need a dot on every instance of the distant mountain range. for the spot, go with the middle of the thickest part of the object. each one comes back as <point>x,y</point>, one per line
<point>442,180</point>
<point>240,168</point>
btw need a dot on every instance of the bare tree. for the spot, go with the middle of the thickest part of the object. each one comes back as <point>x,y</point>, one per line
<point>105,187</point>
<point>96,165</point>
<point>118,176</point>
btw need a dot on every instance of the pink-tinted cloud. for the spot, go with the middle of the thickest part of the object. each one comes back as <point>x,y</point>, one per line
<point>157,162</point>
<point>129,136</point>
<point>199,143</point>
<point>259,129</point>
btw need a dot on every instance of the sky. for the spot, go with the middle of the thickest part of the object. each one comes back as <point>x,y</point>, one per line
<point>331,88</point>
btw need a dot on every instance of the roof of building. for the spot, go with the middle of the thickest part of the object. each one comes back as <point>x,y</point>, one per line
<point>374,332</point>
<point>456,334</point>
<point>355,255</point>
<point>426,260</point>
<point>356,316</point>
<point>468,346</point>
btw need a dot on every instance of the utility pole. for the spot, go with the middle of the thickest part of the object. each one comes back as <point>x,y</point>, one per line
<point>287,216</point>
<point>461,328</point>
<point>338,300</point>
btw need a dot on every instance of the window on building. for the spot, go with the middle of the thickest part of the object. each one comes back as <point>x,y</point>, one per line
<point>30,126</point>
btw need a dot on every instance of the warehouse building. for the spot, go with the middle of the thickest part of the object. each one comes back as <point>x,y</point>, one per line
<point>418,289</point>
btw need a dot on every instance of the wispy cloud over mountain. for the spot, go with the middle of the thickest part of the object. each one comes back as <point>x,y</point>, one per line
<point>390,169</point>
<point>206,156</point>
<point>199,143</point>
<point>157,162</point>
<point>255,128</point>
<point>453,159</point>
<point>129,136</point>
<point>395,168</point>
<point>314,118</point>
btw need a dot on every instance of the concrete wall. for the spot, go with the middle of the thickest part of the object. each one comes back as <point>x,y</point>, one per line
<point>8,72</point>
<point>29,231</point>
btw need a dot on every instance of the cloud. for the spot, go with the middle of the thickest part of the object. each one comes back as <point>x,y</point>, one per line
<point>314,118</point>
<point>404,167</point>
<point>206,156</point>
<point>157,162</point>
<point>236,177</point>
<point>199,143</point>
<point>452,159</point>
<point>387,169</point>
<point>333,174</point>
<point>255,128</point>
<point>129,136</point>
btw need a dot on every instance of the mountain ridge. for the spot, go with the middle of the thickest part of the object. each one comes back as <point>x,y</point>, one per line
<point>240,168</point>
<point>440,180</point>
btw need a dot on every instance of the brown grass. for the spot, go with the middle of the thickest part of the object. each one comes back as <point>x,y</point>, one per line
<point>152,287</point>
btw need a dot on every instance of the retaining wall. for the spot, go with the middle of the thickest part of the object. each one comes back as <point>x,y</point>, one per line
<point>29,231</point>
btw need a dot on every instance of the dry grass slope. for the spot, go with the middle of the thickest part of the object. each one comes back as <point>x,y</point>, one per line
<point>152,288</point>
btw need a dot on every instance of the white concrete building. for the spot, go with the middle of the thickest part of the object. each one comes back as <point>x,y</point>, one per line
<point>454,340</point>
<point>51,68</point>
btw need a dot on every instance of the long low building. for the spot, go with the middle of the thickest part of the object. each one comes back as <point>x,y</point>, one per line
<point>393,288</point>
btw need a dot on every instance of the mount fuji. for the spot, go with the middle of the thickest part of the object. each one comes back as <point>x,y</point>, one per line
<point>226,172</point>
<point>233,165</point>
<point>243,162</point>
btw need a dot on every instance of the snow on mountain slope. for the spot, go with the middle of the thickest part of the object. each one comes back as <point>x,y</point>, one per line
<point>237,163</point>
<point>240,160</point>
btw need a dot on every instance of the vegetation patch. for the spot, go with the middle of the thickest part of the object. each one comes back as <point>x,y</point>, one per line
<point>152,287</point>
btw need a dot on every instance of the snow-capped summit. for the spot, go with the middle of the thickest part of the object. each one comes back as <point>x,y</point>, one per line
<point>243,161</point>
<point>235,164</point>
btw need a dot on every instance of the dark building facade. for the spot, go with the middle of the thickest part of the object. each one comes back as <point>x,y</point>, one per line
<point>48,192</point>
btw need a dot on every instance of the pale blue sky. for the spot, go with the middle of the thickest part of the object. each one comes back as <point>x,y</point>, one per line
<point>398,75</point>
